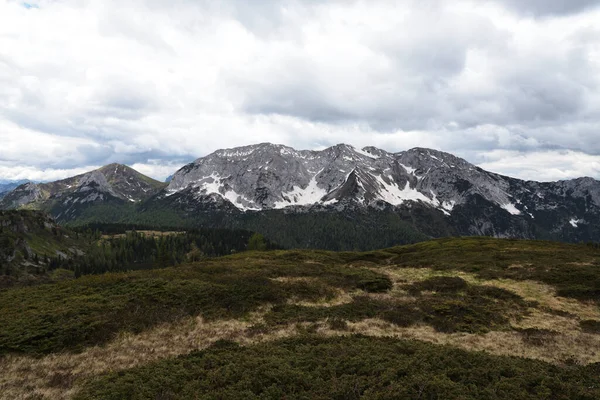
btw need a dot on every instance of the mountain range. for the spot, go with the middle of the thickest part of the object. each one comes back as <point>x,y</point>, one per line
<point>278,190</point>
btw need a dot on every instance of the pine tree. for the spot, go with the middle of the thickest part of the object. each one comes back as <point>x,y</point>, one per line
<point>257,242</point>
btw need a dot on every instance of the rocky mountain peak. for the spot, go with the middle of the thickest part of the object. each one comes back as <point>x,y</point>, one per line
<point>113,182</point>
<point>273,176</point>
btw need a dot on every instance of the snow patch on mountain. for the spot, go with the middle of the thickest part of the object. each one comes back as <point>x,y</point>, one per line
<point>239,201</point>
<point>365,153</point>
<point>394,195</point>
<point>511,208</point>
<point>298,196</point>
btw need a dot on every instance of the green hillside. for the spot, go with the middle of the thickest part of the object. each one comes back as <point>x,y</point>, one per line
<point>29,242</point>
<point>465,318</point>
<point>34,249</point>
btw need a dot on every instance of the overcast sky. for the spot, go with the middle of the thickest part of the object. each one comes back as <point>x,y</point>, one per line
<point>510,85</point>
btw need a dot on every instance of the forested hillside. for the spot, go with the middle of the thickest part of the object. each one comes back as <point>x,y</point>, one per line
<point>33,248</point>
<point>338,231</point>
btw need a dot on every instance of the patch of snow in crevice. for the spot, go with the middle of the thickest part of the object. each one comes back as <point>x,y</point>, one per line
<point>299,196</point>
<point>511,208</point>
<point>575,222</point>
<point>365,153</point>
<point>392,193</point>
<point>408,169</point>
<point>447,206</point>
<point>213,184</point>
<point>359,183</point>
<point>236,153</point>
<point>329,202</point>
<point>238,200</point>
<point>286,151</point>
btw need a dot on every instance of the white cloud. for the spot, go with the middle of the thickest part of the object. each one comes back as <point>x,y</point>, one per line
<point>542,166</point>
<point>36,174</point>
<point>156,84</point>
<point>157,169</point>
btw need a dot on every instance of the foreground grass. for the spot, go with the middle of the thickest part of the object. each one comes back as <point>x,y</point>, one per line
<point>500,296</point>
<point>72,315</point>
<point>345,368</point>
<point>455,306</point>
<point>574,270</point>
<point>93,309</point>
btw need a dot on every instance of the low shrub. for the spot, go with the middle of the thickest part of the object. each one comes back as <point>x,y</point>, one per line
<point>71,315</point>
<point>309,367</point>
<point>537,336</point>
<point>590,326</point>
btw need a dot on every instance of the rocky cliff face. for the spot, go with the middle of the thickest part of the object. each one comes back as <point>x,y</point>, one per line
<point>267,176</point>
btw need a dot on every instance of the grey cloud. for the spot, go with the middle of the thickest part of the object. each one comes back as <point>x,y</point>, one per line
<point>151,80</point>
<point>549,7</point>
<point>418,90</point>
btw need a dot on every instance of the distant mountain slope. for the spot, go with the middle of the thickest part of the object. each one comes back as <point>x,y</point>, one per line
<point>29,242</point>
<point>65,199</point>
<point>6,187</point>
<point>268,176</point>
<point>470,200</point>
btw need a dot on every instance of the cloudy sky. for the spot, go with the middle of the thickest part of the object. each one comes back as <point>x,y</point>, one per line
<point>511,85</point>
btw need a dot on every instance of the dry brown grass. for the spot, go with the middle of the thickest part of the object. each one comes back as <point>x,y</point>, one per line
<point>545,295</point>
<point>145,233</point>
<point>553,313</point>
<point>581,264</point>
<point>295,279</point>
<point>57,376</point>
<point>578,347</point>
<point>340,298</point>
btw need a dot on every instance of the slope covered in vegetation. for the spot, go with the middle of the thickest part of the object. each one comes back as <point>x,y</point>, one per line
<point>337,231</point>
<point>34,249</point>
<point>495,319</point>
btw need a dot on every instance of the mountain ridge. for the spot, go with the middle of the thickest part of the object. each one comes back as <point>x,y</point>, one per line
<point>473,201</point>
<point>406,168</point>
<point>260,187</point>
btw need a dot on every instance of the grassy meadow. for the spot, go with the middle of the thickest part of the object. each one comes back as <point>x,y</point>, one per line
<point>457,318</point>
